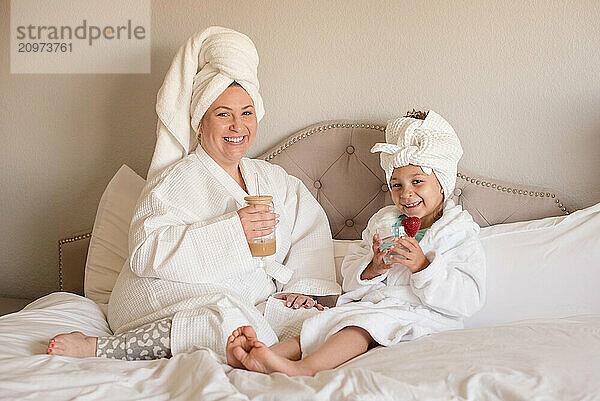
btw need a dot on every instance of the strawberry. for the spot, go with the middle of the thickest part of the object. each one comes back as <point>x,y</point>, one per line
<point>411,225</point>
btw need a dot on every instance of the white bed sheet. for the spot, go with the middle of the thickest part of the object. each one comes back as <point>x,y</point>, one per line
<point>550,359</point>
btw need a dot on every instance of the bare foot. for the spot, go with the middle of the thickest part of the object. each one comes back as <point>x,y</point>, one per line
<point>240,338</point>
<point>262,359</point>
<point>74,344</point>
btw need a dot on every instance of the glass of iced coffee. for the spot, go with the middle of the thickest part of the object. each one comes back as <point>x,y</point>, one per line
<point>265,245</point>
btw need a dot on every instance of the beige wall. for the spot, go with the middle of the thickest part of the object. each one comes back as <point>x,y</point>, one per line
<point>518,80</point>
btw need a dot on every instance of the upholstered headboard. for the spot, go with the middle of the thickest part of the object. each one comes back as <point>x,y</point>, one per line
<point>334,161</point>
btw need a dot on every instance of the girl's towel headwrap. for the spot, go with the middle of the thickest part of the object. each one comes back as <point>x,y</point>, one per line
<point>202,69</point>
<point>431,144</point>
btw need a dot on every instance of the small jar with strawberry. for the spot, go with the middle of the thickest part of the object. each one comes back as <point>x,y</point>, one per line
<point>390,230</point>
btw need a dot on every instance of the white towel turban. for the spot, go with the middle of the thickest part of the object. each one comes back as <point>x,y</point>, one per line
<point>431,144</point>
<point>206,64</point>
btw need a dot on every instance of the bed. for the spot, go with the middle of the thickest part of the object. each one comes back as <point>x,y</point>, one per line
<point>537,338</point>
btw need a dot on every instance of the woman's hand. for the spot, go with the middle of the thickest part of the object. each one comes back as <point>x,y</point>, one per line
<point>377,266</point>
<point>258,220</point>
<point>296,301</point>
<point>409,248</point>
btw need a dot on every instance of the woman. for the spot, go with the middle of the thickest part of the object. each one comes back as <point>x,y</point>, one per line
<point>190,279</point>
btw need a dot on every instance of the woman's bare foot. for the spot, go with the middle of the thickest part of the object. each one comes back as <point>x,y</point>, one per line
<point>240,337</point>
<point>262,359</point>
<point>74,344</point>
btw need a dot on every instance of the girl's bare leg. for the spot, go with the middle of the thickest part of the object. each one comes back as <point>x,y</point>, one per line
<point>289,349</point>
<point>344,345</point>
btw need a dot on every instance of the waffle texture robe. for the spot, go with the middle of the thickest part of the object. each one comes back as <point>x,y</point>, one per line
<point>399,305</point>
<point>189,258</point>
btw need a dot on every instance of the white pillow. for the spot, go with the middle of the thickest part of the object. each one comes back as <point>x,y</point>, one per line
<point>108,246</point>
<point>341,248</point>
<point>542,268</point>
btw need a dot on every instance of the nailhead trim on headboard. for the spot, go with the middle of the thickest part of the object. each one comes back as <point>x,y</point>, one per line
<point>320,129</point>
<point>524,192</point>
<point>485,184</point>
<point>60,261</point>
<point>381,128</point>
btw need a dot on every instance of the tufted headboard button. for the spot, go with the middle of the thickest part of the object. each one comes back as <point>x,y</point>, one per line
<point>350,149</point>
<point>385,188</point>
<point>317,184</point>
<point>349,223</point>
<point>457,191</point>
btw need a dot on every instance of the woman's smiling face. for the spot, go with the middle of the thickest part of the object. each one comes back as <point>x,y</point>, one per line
<point>228,127</point>
<point>417,194</point>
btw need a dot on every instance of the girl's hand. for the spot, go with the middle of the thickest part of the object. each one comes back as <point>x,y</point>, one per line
<point>296,301</point>
<point>409,248</point>
<point>258,220</point>
<point>377,266</point>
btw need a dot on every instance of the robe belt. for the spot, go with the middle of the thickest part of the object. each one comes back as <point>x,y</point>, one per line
<point>279,272</point>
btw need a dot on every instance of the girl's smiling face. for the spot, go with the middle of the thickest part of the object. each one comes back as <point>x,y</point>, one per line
<point>417,194</point>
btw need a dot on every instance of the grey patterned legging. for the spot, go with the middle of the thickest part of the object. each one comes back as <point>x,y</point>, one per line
<point>151,341</point>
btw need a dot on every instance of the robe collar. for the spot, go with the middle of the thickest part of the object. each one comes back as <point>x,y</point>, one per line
<point>246,168</point>
<point>453,219</point>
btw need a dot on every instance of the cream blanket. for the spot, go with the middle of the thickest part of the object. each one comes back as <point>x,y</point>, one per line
<point>190,259</point>
<point>549,359</point>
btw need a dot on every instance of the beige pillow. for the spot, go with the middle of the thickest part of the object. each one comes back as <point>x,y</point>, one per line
<point>108,246</point>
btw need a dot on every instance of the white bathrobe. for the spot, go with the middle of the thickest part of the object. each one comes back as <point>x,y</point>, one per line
<point>398,305</point>
<point>189,258</point>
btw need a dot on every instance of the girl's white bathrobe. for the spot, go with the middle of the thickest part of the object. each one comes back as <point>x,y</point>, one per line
<point>190,260</point>
<point>397,305</point>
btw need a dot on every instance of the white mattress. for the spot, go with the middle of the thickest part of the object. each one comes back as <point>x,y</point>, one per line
<point>550,359</point>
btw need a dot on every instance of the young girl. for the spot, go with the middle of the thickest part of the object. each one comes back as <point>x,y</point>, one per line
<point>427,287</point>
